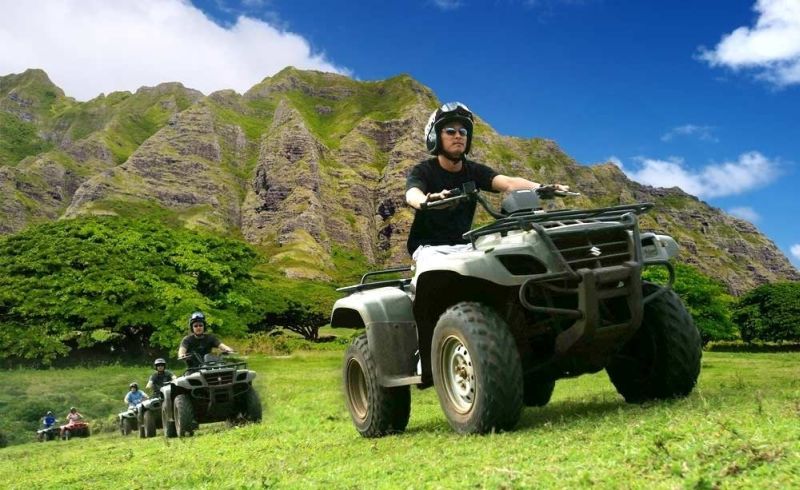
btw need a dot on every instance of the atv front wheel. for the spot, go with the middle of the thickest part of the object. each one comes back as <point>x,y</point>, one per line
<point>252,406</point>
<point>169,427</point>
<point>477,370</point>
<point>537,393</point>
<point>376,411</point>
<point>127,426</point>
<point>662,360</point>
<point>184,415</point>
<point>149,424</point>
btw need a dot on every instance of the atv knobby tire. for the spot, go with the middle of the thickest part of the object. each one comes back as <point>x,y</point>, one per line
<point>184,415</point>
<point>477,370</point>
<point>252,406</point>
<point>662,360</point>
<point>376,410</point>
<point>149,424</point>
<point>128,425</point>
<point>169,427</point>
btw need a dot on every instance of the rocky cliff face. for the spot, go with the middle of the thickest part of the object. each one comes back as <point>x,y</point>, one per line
<point>308,167</point>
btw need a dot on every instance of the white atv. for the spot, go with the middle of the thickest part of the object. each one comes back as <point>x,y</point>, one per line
<point>540,295</point>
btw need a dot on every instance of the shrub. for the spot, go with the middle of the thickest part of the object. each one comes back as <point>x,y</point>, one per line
<point>770,312</point>
<point>706,299</point>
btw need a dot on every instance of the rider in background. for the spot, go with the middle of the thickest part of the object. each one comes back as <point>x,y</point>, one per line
<point>72,417</point>
<point>134,395</point>
<point>48,420</point>
<point>159,378</point>
<point>198,343</point>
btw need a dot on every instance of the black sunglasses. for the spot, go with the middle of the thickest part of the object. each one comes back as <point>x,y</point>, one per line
<point>453,131</point>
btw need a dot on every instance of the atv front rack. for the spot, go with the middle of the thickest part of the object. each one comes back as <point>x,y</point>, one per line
<point>527,220</point>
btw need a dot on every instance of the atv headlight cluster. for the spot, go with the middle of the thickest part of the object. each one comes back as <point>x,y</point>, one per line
<point>522,264</point>
<point>658,247</point>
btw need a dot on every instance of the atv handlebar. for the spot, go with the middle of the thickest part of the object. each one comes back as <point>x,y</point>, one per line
<point>469,191</point>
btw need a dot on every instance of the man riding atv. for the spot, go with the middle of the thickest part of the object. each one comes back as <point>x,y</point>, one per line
<point>197,344</point>
<point>159,378</point>
<point>439,230</point>
<point>494,316</point>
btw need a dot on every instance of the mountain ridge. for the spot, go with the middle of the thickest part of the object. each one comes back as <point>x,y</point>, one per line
<point>303,165</point>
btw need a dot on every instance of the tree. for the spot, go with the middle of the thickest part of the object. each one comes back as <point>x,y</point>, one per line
<point>706,299</point>
<point>297,317</point>
<point>77,283</point>
<point>770,312</point>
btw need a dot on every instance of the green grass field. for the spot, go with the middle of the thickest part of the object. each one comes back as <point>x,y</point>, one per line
<point>739,429</point>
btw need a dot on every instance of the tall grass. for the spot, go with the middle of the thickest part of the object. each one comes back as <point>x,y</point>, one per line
<point>739,429</point>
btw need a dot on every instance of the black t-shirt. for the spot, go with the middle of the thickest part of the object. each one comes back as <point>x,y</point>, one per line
<point>201,345</point>
<point>445,226</point>
<point>160,379</point>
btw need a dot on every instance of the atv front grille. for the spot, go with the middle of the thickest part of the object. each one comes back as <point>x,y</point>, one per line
<point>593,248</point>
<point>216,378</point>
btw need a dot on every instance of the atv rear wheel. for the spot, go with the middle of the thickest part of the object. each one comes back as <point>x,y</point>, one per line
<point>149,424</point>
<point>184,415</point>
<point>376,411</point>
<point>477,370</point>
<point>662,360</point>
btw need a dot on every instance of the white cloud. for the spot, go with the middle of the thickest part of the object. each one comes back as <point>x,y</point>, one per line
<point>615,160</point>
<point>746,213</point>
<point>715,180</point>
<point>795,249</point>
<point>703,133</point>
<point>447,4</point>
<point>771,47</point>
<point>93,46</point>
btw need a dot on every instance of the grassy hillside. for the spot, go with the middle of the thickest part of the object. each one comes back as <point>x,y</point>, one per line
<point>738,430</point>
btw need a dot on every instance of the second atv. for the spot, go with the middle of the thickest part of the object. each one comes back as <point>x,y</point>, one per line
<point>215,391</point>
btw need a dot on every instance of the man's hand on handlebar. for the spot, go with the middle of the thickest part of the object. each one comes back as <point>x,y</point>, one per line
<point>550,191</point>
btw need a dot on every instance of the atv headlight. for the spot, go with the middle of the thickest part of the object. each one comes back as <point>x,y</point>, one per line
<point>658,247</point>
<point>522,265</point>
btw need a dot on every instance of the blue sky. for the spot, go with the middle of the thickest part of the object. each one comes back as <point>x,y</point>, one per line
<point>703,95</point>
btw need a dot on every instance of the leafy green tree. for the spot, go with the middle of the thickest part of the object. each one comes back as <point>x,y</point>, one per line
<point>76,283</point>
<point>770,312</point>
<point>706,299</point>
<point>297,317</point>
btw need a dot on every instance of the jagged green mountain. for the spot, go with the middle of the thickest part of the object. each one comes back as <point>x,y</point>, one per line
<point>308,167</point>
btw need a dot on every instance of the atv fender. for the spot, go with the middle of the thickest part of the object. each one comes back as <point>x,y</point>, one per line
<point>387,315</point>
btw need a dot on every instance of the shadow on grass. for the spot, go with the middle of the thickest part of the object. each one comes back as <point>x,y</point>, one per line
<point>562,413</point>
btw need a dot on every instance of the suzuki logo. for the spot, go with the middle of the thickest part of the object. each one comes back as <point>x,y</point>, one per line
<point>595,251</point>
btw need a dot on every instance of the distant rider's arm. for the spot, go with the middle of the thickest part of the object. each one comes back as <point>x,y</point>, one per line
<point>415,197</point>
<point>149,384</point>
<point>224,348</point>
<point>181,352</point>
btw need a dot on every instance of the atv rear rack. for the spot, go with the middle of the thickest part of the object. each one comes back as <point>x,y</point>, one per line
<point>363,285</point>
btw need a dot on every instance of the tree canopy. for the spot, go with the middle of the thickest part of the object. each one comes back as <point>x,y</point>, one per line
<point>706,299</point>
<point>75,283</point>
<point>770,312</point>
